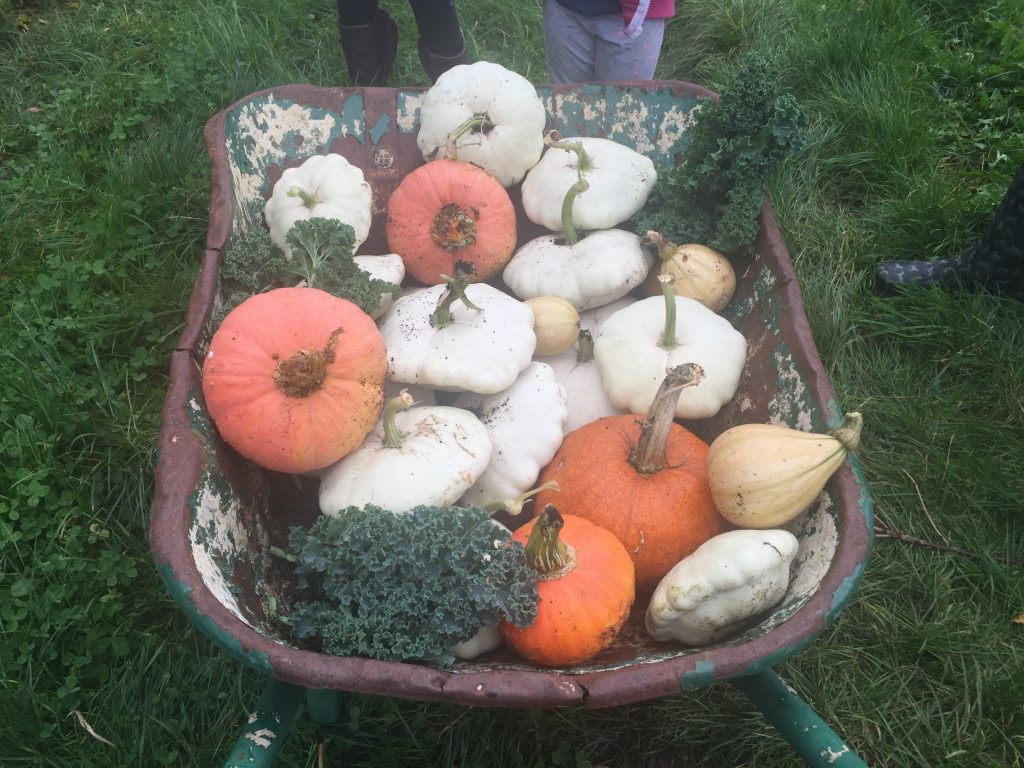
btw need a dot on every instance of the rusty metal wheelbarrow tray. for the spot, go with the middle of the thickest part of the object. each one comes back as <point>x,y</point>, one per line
<point>215,515</point>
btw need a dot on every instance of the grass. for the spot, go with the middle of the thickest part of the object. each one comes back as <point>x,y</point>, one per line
<point>917,125</point>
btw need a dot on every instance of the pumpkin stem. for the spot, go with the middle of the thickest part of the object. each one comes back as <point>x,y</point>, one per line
<point>584,162</point>
<point>442,316</point>
<point>454,227</point>
<point>308,199</point>
<point>476,121</point>
<point>393,436</point>
<point>548,555</point>
<point>650,454</point>
<point>568,228</point>
<point>665,248</point>
<point>302,374</point>
<point>584,347</point>
<point>515,506</point>
<point>668,335</point>
<point>848,431</point>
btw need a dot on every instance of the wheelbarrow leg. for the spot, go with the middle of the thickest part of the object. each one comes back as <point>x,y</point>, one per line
<point>816,743</point>
<point>324,706</point>
<point>267,727</point>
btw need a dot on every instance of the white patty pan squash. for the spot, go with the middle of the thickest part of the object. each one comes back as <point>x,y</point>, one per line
<point>617,180</point>
<point>525,423</point>
<point>576,370</point>
<point>426,455</point>
<point>324,186</point>
<point>458,337</point>
<point>597,269</point>
<point>389,267</point>
<point>729,579</point>
<point>639,343</point>
<point>484,114</point>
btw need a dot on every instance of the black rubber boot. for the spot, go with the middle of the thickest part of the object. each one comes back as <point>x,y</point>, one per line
<point>436,65</point>
<point>995,261</point>
<point>370,50</point>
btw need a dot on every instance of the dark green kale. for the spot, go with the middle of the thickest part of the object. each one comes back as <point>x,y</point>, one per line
<point>714,195</point>
<point>321,257</point>
<point>406,587</point>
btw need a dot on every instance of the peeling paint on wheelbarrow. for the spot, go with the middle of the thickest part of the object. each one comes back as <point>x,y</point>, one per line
<point>215,515</point>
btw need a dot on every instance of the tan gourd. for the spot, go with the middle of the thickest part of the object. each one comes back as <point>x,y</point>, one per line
<point>763,475</point>
<point>700,272</point>
<point>556,324</point>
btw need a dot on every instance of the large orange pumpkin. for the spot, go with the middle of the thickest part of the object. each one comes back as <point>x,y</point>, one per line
<point>448,211</point>
<point>294,378</point>
<point>644,480</point>
<point>585,588</point>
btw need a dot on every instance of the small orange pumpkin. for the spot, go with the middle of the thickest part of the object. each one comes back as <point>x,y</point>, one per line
<point>294,378</point>
<point>585,587</point>
<point>448,211</point>
<point>644,480</point>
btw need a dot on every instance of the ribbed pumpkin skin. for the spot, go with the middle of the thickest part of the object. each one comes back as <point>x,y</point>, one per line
<point>282,432</point>
<point>423,194</point>
<point>660,518</point>
<point>578,614</point>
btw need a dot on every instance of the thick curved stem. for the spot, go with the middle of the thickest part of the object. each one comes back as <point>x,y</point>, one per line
<point>568,228</point>
<point>515,506</point>
<point>650,454</point>
<point>546,553</point>
<point>668,334</point>
<point>393,436</point>
<point>308,199</point>
<point>848,432</point>
<point>457,283</point>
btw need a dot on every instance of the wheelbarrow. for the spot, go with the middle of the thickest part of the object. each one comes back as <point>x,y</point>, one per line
<point>216,516</point>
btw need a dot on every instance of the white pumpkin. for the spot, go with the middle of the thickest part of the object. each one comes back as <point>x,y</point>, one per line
<point>389,267</point>
<point>726,581</point>
<point>640,342</point>
<point>484,114</point>
<point>525,423</point>
<point>478,347</point>
<point>426,455</point>
<point>323,186</point>
<point>595,270</point>
<point>618,181</point>
<point>576,370</point>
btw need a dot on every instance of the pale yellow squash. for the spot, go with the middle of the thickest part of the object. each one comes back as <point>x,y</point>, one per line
<point>764,475</point>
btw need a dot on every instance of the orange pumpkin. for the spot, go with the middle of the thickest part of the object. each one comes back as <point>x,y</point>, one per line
<point>585,587</point>
<point>644,480</point>
<point>448,211</point>
<point>294,378</point>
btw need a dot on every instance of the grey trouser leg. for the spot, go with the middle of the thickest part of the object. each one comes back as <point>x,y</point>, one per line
<point>582,49</point>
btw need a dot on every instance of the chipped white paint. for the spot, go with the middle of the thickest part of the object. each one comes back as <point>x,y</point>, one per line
<point>674,123</point>
<point>264,737</point>
<point>409,111</point>
<point>832,755</point>
<point>791,394</point>
<point>216,535</point>
<point>261,130</point>
<point>819,539</point>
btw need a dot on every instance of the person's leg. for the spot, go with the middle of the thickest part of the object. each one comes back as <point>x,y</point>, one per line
<point>622,58</point>
<point>441,44</point>
<point>369,41</point>
<point>995,260</point>
<point>568,45</point>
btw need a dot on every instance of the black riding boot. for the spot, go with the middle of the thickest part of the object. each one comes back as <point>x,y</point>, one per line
<point>995,261</point>
<point>370,49</point>
<point>435,64</point>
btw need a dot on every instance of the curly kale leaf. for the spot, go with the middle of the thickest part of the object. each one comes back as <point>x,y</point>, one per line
<point>407,587</point>
<point>321,257</point>
<point>714,195</point>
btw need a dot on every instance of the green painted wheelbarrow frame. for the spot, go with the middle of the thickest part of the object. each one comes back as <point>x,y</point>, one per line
<point>215,515</point>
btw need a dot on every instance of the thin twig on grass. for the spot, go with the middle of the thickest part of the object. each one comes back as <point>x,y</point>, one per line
<point>884,532</point>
